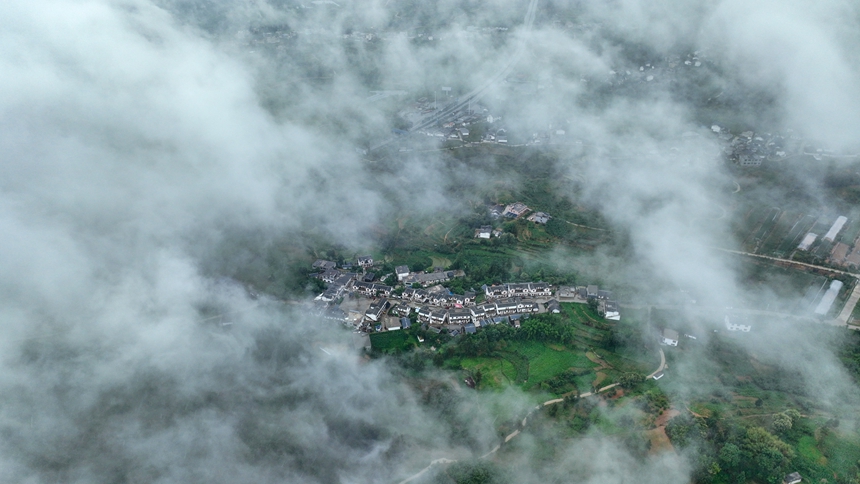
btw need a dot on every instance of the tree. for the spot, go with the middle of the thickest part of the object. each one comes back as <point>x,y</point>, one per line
<point>768,456</point>
<point>781,423</point>
<point>730,456</point>
<point>628,380</point>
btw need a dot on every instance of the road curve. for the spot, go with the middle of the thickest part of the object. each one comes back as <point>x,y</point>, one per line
<point>517,432</point>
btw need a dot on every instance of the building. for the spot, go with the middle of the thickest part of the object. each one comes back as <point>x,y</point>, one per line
<point>478,313</point>
<point>793,478</point>
<point>405,323</point>
<point>747,158</point>
<point>324,264</point>
<point>371,289</point>
<point>611,311</point>
<point>329,275</point>
<point>401,272</point>
<point>484,232</point>
<point>591,292</point>
<point>424,314</point>
<point>402,310</point>
<point>526,289</point>
<point>438,316</point>
<point>376,310</point>
<point>516,209</point>
<point>365,261</point>
<point>807,241</point>
<point>470,328</point>
<point>539,217</point>
<point>417,295</point>
<point>552,306</point>
<point>737,324</point>
<point>669,337</point>
<point>831,234</point>
<point>828,298</point>
<point>427,279</point>
<point>459,316</point>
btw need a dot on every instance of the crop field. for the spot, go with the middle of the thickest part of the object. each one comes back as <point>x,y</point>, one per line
<point>800,228</point>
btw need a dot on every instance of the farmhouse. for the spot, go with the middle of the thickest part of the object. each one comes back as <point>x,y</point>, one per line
<point>371,289</point>
<point>527,289</point>
<point>793,478</point>
<point>324,264</point>
<point>539,217</point>
<point>365,261</point>
<point>514,210</point>
<point>401,272</point>
<point>376,310</point>
<point>484,232</point>
<point>459,316</point>
<point>669,337</point>
<point>552,306</point>
<point>438,316</point>
<point>610,311</point>
<point>737,324</point>
<point>424,313</point>
<point>427,279</point>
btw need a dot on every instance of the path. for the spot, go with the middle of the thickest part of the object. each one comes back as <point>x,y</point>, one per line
<point>662,364</point>
<point>517,432</point>
<point>842,319</point>
<point>789,261</point>
<point>849,305</point>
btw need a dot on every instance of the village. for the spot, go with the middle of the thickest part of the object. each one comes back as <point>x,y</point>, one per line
<point>420,298</point>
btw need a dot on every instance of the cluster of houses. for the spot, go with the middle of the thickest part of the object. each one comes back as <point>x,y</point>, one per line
<point>670,337</point>
<point>513,210</point>
<point>437,307</point>
<point>468,319</point>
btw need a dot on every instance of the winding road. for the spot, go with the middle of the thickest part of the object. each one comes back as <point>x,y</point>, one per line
<point>524,422</point>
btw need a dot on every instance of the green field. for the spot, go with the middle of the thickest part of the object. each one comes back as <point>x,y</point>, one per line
<point>392,341</point>
<point>547,361</point>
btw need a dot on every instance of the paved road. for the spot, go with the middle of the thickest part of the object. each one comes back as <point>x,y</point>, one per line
<point>849,305</point>
<point>842,319</point>
<point>789,261</point>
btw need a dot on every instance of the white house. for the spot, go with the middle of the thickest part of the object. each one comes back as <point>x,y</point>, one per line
<point>793,478</point>
<point>736,326</point>
<point>669,337</point>
<point>402,272</point>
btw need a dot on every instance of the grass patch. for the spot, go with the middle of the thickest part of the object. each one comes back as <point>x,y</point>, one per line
<point>545,362</point>
<point>841,452</point>
<point>807,447</point>
<point>495,372</point>
<point>392,341</point>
